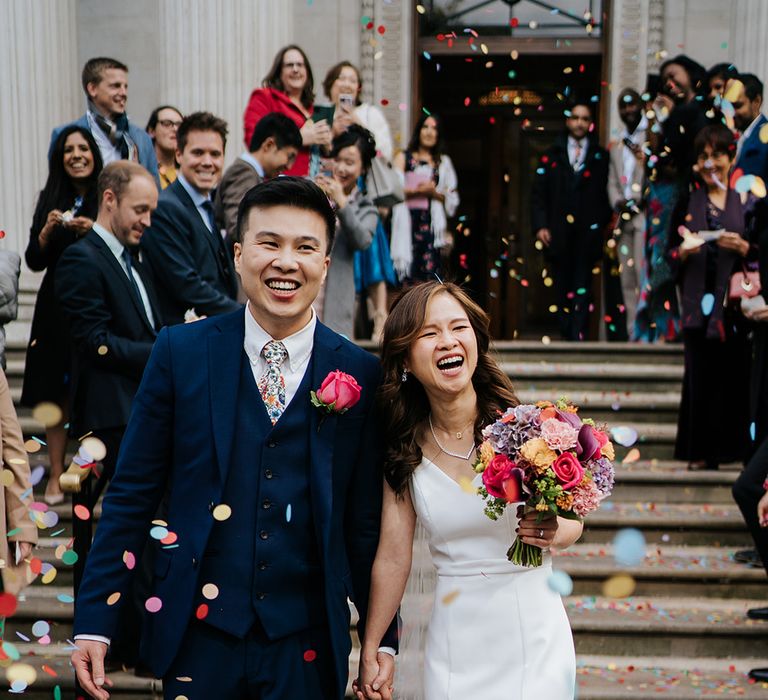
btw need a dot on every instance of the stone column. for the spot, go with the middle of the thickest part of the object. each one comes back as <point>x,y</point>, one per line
<point>38,58</point>
<point>748,46</point>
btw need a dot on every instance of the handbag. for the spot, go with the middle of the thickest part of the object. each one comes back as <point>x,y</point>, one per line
<point>384,185</point>
<point>744,284</point>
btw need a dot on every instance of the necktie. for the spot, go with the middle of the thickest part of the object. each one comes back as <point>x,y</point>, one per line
<point>272,382</point>
<point>126,255</point>
<point>208,206</point>
<point>576,156</point>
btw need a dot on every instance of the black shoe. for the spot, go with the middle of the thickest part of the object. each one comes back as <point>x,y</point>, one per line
<point>759,674</point>
<point>746,556</point>
<point>757,613</point>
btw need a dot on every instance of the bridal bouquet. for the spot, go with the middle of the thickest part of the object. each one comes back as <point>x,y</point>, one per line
<point>547,457</point>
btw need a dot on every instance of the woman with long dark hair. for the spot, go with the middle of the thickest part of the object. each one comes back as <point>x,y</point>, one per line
<point>66,210</point>
<point>289,88</point>
<point>440,388</point>
<point>420,224</point>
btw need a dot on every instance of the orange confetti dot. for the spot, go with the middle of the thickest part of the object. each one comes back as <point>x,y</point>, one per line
<point>36,565</point>
<point>170,538</point>
<point>50,671</point>
<point>202,611</point>
<point>82,512</point>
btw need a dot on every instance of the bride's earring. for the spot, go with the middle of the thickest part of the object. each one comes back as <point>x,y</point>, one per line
<point>404,375</point>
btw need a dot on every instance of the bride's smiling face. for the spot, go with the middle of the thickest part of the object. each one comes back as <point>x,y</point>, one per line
<point>444,355</point>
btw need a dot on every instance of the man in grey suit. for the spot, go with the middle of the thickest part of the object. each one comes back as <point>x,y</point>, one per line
<point>625,192</point>
<point>275,142</point>
<point>105,82</point>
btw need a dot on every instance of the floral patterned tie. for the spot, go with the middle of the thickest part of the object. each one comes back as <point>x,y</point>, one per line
<point>272,382</point>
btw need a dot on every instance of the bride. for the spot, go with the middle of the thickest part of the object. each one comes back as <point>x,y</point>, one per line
<point>497,630</point>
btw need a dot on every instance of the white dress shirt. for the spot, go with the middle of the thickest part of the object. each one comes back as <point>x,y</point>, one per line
<point>197,198</point>
<point>577,163</point>
<point>109,152</point>
<point>299,347</point>
<point>747,133</point>
<point>117,248</point>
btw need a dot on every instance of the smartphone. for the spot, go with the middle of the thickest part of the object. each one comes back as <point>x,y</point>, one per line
<point>653,86</point>
<point>326,167</point>
<point>629,143</point>
<point>347,102</point>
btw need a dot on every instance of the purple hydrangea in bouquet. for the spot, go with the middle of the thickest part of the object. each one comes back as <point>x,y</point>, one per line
<point>547,457</point>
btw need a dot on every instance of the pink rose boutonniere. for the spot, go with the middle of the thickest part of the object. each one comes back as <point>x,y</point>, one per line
<point>337,394</point>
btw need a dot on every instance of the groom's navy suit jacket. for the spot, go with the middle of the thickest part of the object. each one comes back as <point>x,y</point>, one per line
<point>199,431</point>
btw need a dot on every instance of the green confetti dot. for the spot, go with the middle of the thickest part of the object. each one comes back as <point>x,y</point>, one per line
<point>57,693</point>
<point>512,74</point>
<point>69,557</point>
<point>724,45</point>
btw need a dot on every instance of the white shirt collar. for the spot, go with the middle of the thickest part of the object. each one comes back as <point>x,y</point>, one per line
<point>110,239</point>
<point>197,198</point>
<point>748,131</point>
<point>638,135</point>
<point>299,344</point>
<point>248,158</point>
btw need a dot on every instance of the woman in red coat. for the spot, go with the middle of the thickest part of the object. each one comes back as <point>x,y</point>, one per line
<point>288,88</point>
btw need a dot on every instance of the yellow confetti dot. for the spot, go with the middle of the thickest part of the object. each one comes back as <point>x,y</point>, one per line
<point>161,523</point>
<point>538,245</point>
<point>567,70</point>
<point>113,598</point>
<point>95,448</point>
<point>49,576</point>
<point>514,54</point>
<point>183,679</point>
<point>570,218</point>
<point>59,551</point>
<point>102,350</point>
<point>421,9</point>
<point>210,591</point>
<point>448,598</point>
<point>553,308</point>
<point>47,413</point>
<point>6,477</point>
<point>619,586</point>
<point>17,460</point>
<point>758,187</point>
<point>222,512</point>
<point>763,133</point>
<point>733,92</point>
<point>632,456</point>
<point>546,340</point>
<point>466,485</point>
<point>21,672</point>
<point>548,281</point>
<point>32,446</point>
<point>181,697</point>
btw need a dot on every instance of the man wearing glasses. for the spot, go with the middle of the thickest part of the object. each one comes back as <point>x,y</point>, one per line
<point>162,126</point>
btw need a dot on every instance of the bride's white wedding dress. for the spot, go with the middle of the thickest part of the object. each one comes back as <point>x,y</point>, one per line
<point>497,630</point>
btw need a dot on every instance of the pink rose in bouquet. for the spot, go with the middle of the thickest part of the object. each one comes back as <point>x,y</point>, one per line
<point>496,473</point>
<point>568,470</point>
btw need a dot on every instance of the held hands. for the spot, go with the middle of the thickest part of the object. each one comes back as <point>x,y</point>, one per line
<point>545,236</point>
<point>376,677</point>
<point>316,133</point>
<point>540,534</point>
<point>734,242</point>
<point>88,661</point>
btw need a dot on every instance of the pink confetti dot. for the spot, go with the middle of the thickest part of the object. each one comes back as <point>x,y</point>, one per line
<point>82,512</point>
<point>129,559</point>
<point>153,604</point>
<point>310,655</point>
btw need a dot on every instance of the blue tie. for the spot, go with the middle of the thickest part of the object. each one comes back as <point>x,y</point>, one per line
<point>128,260</point>
<point>208,207</point>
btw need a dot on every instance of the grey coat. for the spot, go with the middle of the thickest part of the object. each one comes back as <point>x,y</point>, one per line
<point>357,224</point>
<point>10,267</point>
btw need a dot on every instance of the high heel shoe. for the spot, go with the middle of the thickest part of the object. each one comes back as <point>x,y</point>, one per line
<point>53,499</point>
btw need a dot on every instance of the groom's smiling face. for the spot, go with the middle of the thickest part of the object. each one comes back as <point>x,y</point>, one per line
<point>282,262</point>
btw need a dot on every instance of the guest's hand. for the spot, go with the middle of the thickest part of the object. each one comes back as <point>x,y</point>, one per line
<point>544,235</point>
<point>759,315</point>
<point>332,187</point>
<point>762,510</point>
<point>88,661</point>
<point>316,133</point>
<point>51,222</point>
<point>80,225</point>
<point>342,121</point>
<point>375,681</point>
<point>734,242</point>
<point>540,534</point>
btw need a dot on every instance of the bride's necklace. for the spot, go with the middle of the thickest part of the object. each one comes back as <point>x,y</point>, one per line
<point>458,437</point>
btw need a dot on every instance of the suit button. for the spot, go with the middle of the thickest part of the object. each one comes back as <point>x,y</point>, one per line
<point>194,563</point>
<point>264,535</point>
<point>262,566</point>
<point>268,473</point>
<point>271,443</point>
<point>267,504</point>
<point>261,596</point>
<point>211,506</point>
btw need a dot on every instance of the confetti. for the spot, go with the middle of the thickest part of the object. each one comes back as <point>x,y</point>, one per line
<point>8,605</point>
<point>47,413</point>
<point>629,547</point>
<point>6,477</point>
<point>158,532</point>
<point>448,598</point>
<point>113,598</point>
<point>634,454</point>
<point>288,513</point>
<point>65,598</point>
<point>202,611</point>
<point>41,628</point>
<point>81,512</point>
<point>153,604</point>
<point>36,474</point>
<point>21,672</point>
<point>620,586</point>
<point>95,448</point>
<point>129,559</point>
<point>310,655</point>
<point>707,303</point>
<point>561,583</point>
<point>210,591</point>
<point>69,557</point>
<point>625,436</point>
<point>222,512</point>
<point>32,446</point>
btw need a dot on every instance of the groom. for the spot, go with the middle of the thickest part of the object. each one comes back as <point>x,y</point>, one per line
<point>271,504</point>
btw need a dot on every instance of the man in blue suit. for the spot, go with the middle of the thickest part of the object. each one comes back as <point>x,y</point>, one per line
<point>272,503</point>
<point>184,248</point>
<point>751,151</point>
<point>105,82</point>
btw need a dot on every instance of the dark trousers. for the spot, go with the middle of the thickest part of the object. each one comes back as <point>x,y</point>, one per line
<point>572,275</point>
<point>747,491</point>
<point>214,664</point>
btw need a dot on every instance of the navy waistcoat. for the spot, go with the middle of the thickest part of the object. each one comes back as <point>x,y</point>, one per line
<point>263,559</point>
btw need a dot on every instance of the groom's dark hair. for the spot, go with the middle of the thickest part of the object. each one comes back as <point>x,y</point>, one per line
<point>288,192</point>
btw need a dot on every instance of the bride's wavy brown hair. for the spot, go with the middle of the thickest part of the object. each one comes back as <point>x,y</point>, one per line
<point>404,405</point>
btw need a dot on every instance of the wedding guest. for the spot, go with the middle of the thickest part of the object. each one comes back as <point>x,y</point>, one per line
<point>433,419</point>
<point>162,126</point>
<point>717,79</point>
<point>352,152</point>
<point>679,114</point>
<point>65,211</point>
<point>748,117</point>
<point>713,424</point>
<point>373,266</point>
<point>420,234</point>
<point>625,191</point>
<point>288,88</point>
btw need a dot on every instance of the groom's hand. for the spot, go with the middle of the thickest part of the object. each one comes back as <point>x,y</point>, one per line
<point>88,660</point>
<point>376,677</point>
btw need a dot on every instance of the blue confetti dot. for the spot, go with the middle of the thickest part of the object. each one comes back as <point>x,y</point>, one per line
<point>707,303</point>
<point>629,547</point>
<point>158,532</point>
<point>752,431</point>
<point>560,583</point>
<point>288,513</point>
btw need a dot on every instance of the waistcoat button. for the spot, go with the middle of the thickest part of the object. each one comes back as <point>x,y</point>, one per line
<point>268,473</point>
<point>264,534</point>
<point>267,504</point>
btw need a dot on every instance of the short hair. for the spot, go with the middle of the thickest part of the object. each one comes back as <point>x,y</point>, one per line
<point>726,71</point>
<point>718,137</point>
<point>414,143</point>
<point>298,192</point>
<point>356,135</point>
<point>333,75</point>
<point>572,104</point>
<point>628,92</point>
<point>93,70</point>
<point>280,127</point>
<point>200,121</point>
<point>154,117</point>
<point>753,86</point>
<point>696,72</point>
<point>117,176</point>
<point>272,78</point>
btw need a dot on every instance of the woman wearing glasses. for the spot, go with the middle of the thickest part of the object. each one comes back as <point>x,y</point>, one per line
<point>288,88</point>
<point>162,126</point>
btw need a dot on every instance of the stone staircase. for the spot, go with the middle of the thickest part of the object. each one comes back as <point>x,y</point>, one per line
<point>681,634</point>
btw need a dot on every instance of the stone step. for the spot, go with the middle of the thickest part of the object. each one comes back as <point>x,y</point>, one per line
<point>669,523</point>
<point>682,627</point>
<point>677,678</point>
<point>667,570</point>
